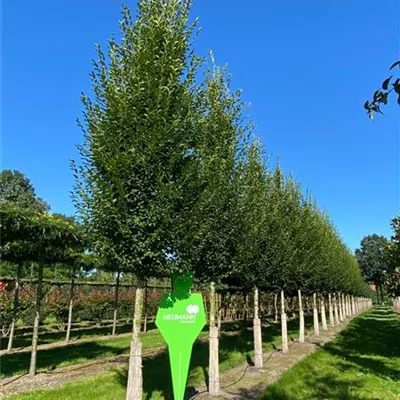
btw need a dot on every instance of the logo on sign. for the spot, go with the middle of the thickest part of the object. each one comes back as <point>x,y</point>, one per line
<point>192,309</point>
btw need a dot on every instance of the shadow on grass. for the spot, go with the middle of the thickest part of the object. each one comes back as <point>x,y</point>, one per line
<point>52,337</point>
<point>363,351</point>
<point>326,388</point>
<point>236,347</point>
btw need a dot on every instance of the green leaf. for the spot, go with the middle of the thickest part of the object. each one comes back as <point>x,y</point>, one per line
<point>397,63</point>
<point>386,82</point>
<point>367,105</point>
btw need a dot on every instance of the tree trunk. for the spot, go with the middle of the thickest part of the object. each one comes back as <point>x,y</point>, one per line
<point>315,315</point>
<point>213,367</point>
<point>343,302</point>
<point>135,378</point>
<point>219,314</point>
<point>35,337</point>
<point>331,318</point>
<point>285,347</point>
<point>276,307</point>
<point>377,292</point>
<point>340,307</point>
<point>116,294</point>
<point>301,318</point>
<point>71,305</point>
<point>336,309</point>
<point>323,314</point>
<point>15,308</point>
<point>258,354</point>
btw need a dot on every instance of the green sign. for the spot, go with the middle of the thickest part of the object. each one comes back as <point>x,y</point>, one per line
<point>180,319</point>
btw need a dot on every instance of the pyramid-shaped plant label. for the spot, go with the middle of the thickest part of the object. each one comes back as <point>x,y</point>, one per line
<point>180,319</point>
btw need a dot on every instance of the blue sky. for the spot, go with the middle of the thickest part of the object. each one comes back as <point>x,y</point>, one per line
<point>306,67</point>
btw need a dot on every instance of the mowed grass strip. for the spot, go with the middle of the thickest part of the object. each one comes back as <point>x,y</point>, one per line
<point>54,337</point>
<point>362,363</point>
<point>236,347</point>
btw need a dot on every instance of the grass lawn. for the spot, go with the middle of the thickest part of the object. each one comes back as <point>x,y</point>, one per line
<point>363,363</point>
<point>234,350</point>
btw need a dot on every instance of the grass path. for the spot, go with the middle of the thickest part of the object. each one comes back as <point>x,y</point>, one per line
<point>362,363</point>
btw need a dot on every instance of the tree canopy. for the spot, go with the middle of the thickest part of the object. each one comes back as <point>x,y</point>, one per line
<point>171,178</point>
<point>16,189</point>
<point>373,258</point>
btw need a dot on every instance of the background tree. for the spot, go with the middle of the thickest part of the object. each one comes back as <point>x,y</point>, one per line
<point>15,188</point>
<point>373,259</point>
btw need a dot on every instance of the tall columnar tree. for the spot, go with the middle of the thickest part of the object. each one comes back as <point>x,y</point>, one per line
<point>140,132</point>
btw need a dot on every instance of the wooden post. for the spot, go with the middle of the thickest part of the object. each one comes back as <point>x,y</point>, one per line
<point>331,317</point>
<point>258,354</point>
<point>301,318</point>
<point>135,378</point>
<point>285,347</point>
<point>276,307</point>
<point>315,315</point>
<point>71,304</point>
<point>15,308</point>
<point>116,294</point>
<point>35,337</point>
<point>213,366</point>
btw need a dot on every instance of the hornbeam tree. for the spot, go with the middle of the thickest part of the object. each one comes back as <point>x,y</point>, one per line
<point>145,153</point>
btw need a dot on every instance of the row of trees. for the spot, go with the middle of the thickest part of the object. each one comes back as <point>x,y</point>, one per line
<point>172,180</point>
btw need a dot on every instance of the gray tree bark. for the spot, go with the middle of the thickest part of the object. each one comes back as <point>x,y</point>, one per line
<point>323,313</point>
<point>341,318</point>
<point>213,366</point>
<point>276,307</point>
<point>135,378</point>
<point>331,318</point>
<point>71,305</point>
<point>15,307</point>
<point>258,353</point>
<point>336,309</point>
<point>35,337</point>
<point>301,318</point>
<point>315,315</point>
<point>116,295</point>
<point>285,347</point>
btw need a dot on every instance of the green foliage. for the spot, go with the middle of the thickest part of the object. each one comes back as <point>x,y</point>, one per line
<point>171,179</point>
<point>16,189</point>
<point>381,96</point>
<point>373,258</point>
<point>37,237</point>
<point>137,136</point>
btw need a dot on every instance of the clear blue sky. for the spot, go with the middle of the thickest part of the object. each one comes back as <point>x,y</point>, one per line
<point>306,66</point>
